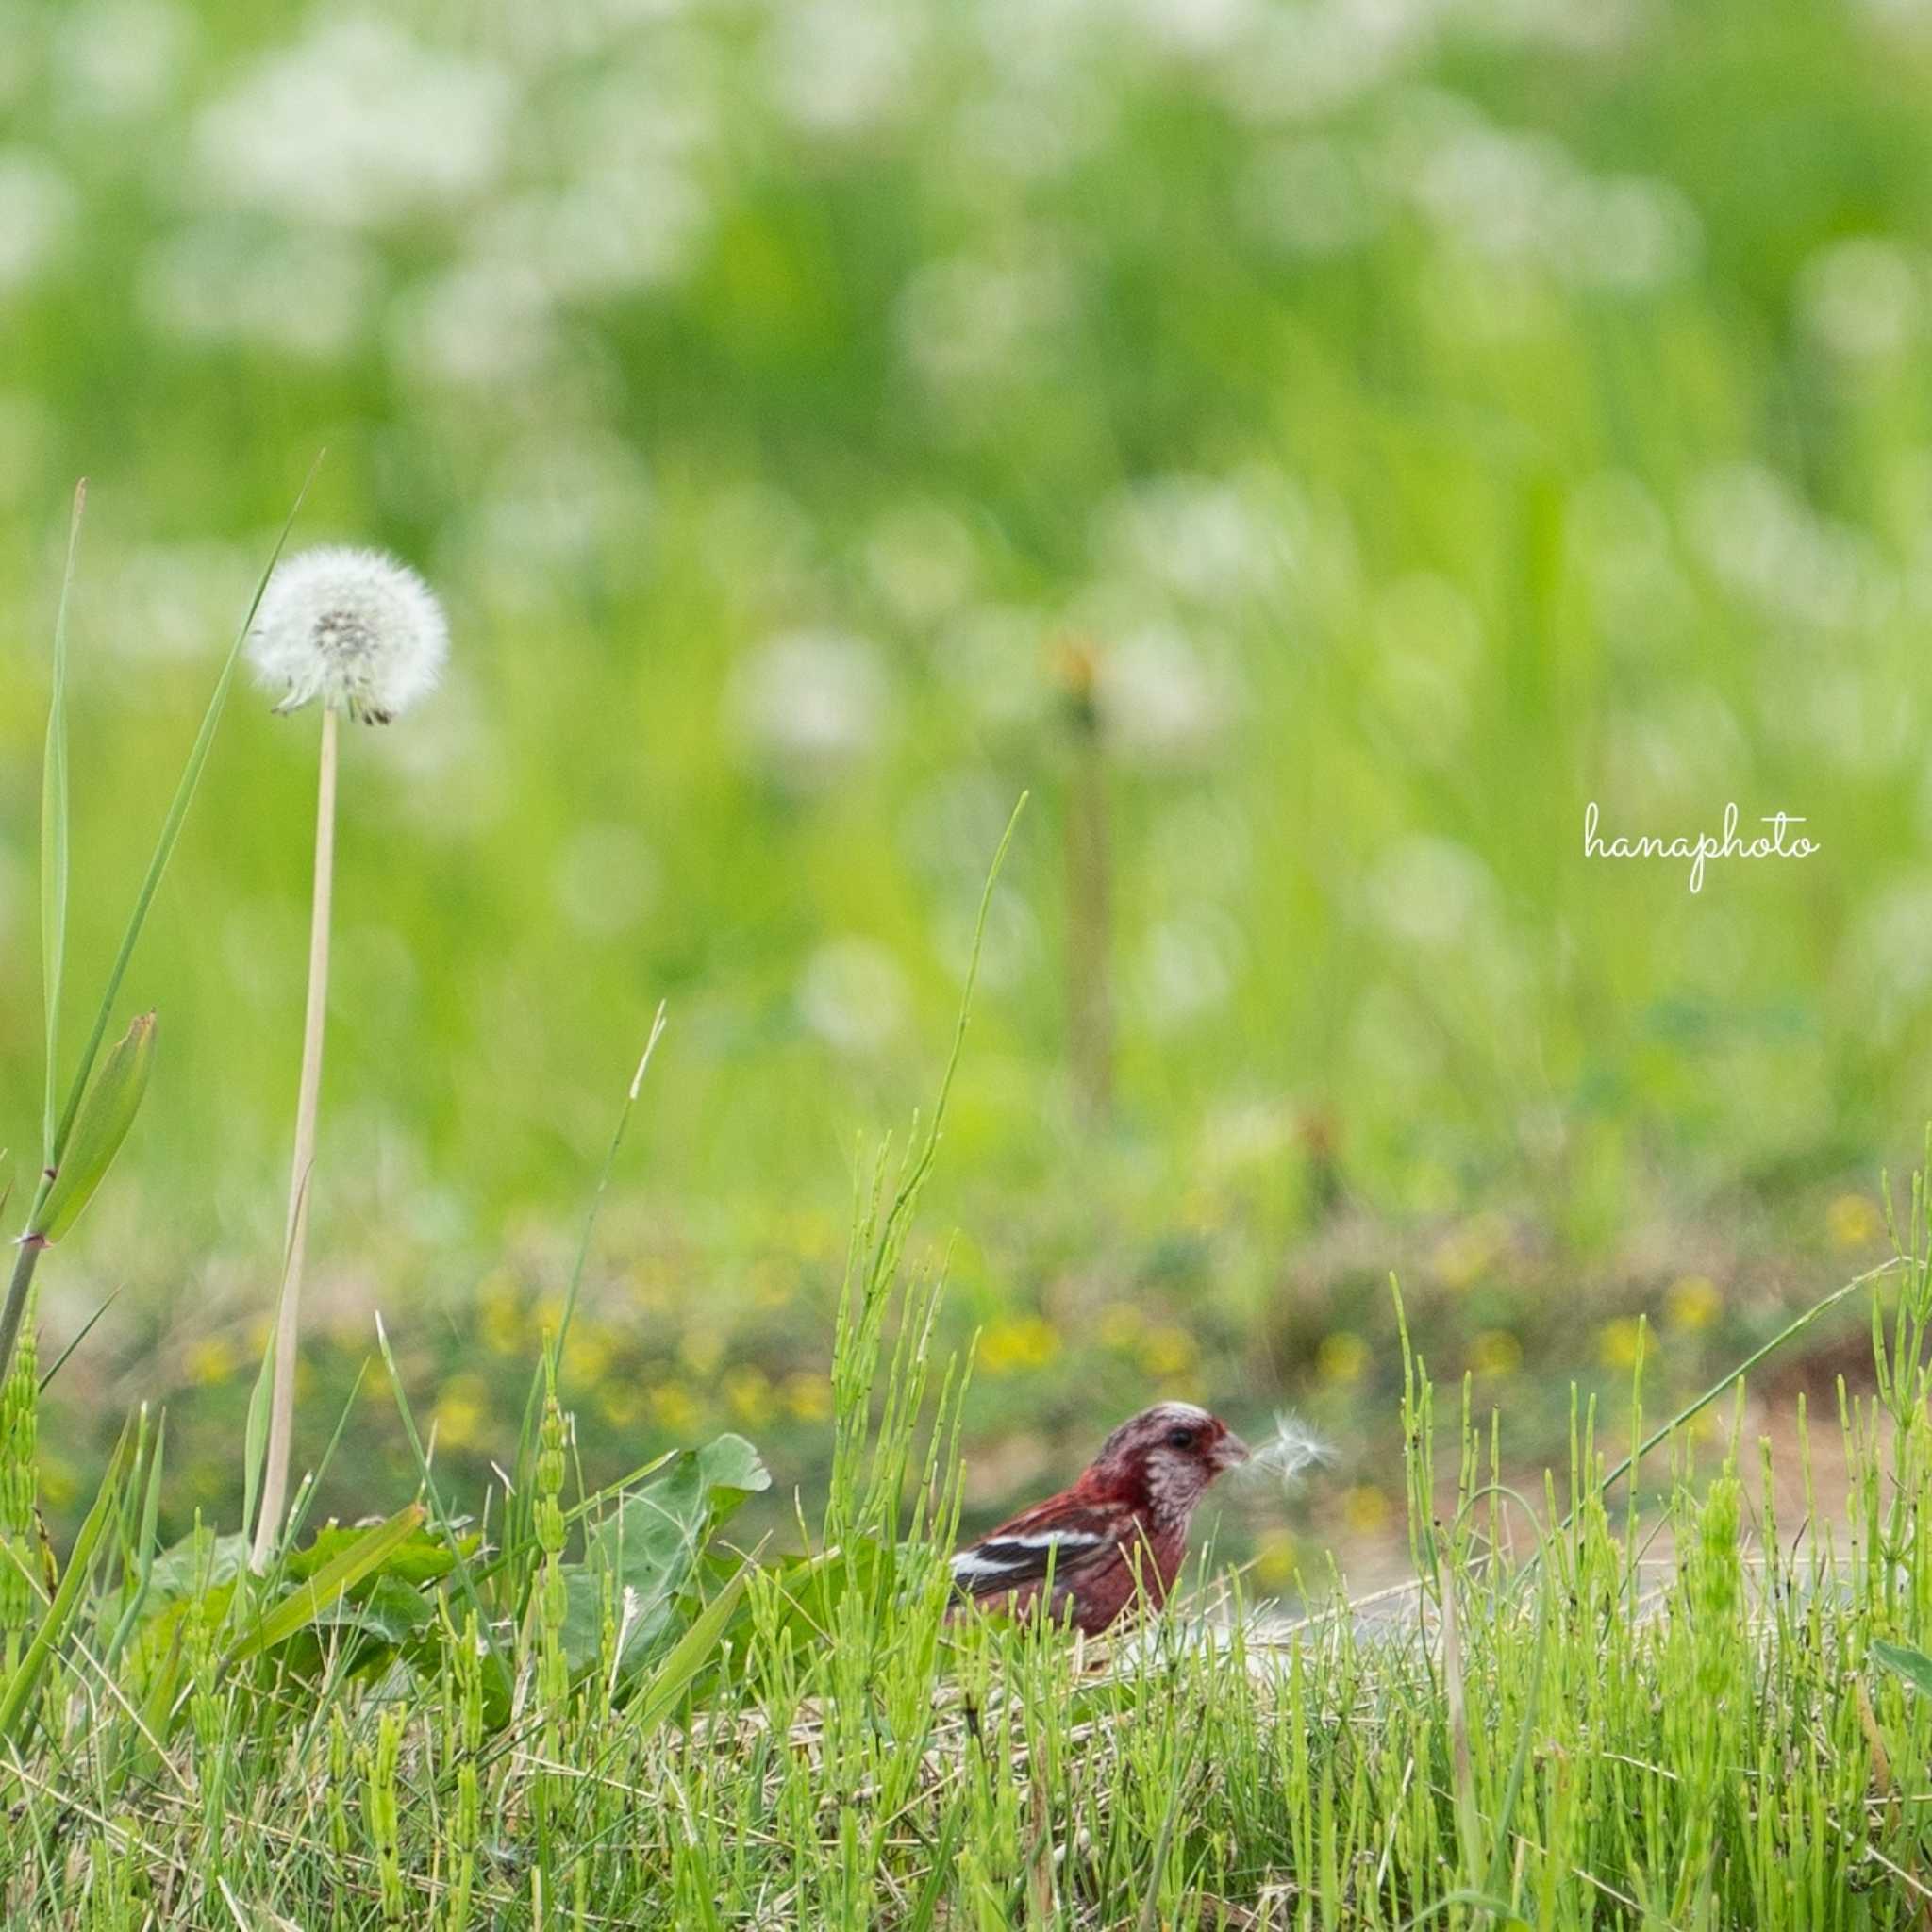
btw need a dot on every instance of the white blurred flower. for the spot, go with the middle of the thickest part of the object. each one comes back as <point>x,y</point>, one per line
<point>1430,891</point>
<point>1186,969</point>
<point>167,600</point>
<point>1032,129</point>
<point>118,59</point>
<point>807,706</point>
<point>1762,541</point>
<point>225,280</point>
<point>560,498</point>
<point>921,558</point>
<point>1860,299</point>
<point>1211,538</point>
<point>1160,702</point>
<point>990,658</point>
<point>355,629</point>
<point>600,235</point>
<point>37,209</point>
<point>483,320</point>
<point>1009,947</point>
<point>970,318</point>
<point>852,995</point>
<point>950,828</point>
<point>1312,196</point>
<point>1299,62</point>
<point>355,123</point>
<point>1628,234</point>
<point>1195,27</point>
<point>841,67</point>
<point>1523,199</point>
<point>1884,964</point>
<point>606,879</point>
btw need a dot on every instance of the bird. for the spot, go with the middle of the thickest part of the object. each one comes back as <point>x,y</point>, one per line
<point>1118,1534</point>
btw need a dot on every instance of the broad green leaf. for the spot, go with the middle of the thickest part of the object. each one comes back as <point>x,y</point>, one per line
<point>649,1546</point>
<point>177,1574</point>
<point>307,1601</point>
<point>99,1128</point>
<point>1914,1666</point>
<point>52,1631</point>
<point>423,1558</point>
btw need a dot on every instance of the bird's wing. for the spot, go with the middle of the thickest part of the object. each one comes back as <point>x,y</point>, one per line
<point>1021,1552</point>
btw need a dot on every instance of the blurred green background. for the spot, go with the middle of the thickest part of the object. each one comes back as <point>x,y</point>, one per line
<point>1418,419</point>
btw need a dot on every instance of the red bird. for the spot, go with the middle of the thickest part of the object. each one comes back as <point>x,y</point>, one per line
<point>1123,1525</point>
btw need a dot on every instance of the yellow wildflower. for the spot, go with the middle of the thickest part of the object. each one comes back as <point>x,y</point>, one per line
<point>1468,1252</point>
<point>1618,1341</point>
<point>1342,1358</point>
<point>808,1396</point>
<point>1854,1220</point>
<point>1018,1341</point>
<point>588,1351</point>
<point>748,1393</point>
<point>1692,1302</point>
<point>676,1409</point>
<point>462,1411</point>
<point>1275,1559</point>
<point>1365,1509</point>
<point>1496,1352</point>
<point>1167,1351</point>
<point>212,1359</point>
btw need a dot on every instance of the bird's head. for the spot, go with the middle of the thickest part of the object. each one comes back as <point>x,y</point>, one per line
<point>1167,1455</point>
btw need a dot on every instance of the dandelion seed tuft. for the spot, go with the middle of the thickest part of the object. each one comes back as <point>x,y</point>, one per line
<point>355,629</point>
<point>1291,1452</point>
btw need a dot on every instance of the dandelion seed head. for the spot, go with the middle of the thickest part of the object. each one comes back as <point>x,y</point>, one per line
<point>1289,1453</point>
<point>355,629</point>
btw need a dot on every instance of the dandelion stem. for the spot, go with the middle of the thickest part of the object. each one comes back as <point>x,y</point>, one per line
<point>288,1317</point>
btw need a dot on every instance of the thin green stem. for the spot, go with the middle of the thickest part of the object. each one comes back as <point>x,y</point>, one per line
<point>281,1427</point>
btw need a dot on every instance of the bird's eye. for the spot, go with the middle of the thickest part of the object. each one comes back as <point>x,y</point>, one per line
<point>1180,1439</point>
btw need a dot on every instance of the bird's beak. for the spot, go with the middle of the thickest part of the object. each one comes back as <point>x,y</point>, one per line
<point>1230,1451</point>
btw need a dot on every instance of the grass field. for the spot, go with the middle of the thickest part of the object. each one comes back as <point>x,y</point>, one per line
<point>1312,451</point>
<point>601,1710</point>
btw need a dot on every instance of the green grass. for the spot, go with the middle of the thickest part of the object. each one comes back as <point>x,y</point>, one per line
<point>1584,1714</point>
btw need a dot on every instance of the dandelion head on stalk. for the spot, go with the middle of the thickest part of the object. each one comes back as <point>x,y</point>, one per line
<point>355,628</point>
<point>1291,1452</point>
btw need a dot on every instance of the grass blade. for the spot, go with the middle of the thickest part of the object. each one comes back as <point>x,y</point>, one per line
<point>86,1329</point>
<point>329,1584</point>
<point>100,1128</point>
<point>688,1656</point>
<point>54,861</point>
<point>53,1626</point>
<point>171,832</point>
